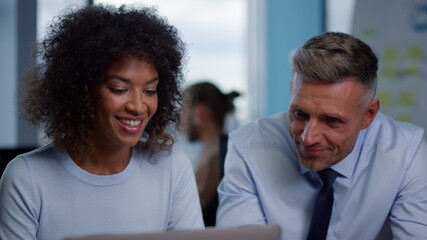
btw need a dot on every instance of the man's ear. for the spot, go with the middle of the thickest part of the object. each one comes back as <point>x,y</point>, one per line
<point>370,112</point>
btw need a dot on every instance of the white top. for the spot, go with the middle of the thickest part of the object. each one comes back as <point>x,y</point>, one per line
<point>45,195</point>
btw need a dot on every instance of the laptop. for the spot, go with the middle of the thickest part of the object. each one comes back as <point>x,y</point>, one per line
<point>254,232</point>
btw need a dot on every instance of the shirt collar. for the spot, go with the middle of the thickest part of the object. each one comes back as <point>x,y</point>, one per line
<point>346,166</point>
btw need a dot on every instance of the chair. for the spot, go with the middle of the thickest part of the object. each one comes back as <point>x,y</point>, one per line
<point>209,214</point>
<point>223,140</point>
<point>7,154</point>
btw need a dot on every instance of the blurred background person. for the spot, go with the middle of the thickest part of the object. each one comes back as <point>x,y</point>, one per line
<point>203,119</point>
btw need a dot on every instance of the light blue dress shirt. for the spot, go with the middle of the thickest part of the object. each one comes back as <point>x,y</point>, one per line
<point>45,195</point>
<point>385,176</point>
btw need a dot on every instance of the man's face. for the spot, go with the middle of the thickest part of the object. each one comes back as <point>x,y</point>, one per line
<point>188,122</point>
<point>325,119</point>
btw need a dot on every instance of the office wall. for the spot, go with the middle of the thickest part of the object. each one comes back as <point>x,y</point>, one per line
<point>8,66</point>
<point>397,31</point>
<point>18,28</point>
<point>289,24</point>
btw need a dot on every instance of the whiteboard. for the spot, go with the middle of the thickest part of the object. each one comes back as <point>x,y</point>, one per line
<point>397,31</point>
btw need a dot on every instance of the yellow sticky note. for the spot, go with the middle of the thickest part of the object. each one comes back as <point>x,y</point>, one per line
<point>391,54</point>
<point>415,53</point>
<point>403,117</point>
<point>407,98</point>
<point>388,73</point>
<point>385,97</point>
<point>412,71</point>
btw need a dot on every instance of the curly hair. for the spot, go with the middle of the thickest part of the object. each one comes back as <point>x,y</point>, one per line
<point>58,94</point>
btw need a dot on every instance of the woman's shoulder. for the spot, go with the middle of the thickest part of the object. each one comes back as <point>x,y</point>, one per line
<point>36,156</point>
<point>20,171</point>
<point>38,162</point>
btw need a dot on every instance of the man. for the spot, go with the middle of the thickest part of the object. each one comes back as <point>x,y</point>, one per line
<point>275,165</point>
<point>203,117</point>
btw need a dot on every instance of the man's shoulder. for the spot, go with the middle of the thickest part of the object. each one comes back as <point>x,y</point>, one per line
<point>269,129</point>
<point>386,130</point>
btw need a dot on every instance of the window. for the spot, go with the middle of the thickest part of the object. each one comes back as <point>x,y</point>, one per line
<point>339,15</point>
<point>48,9</point>
<point>215,32</point>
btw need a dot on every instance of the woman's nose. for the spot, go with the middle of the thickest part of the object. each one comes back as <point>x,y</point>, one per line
<point>136,104</point>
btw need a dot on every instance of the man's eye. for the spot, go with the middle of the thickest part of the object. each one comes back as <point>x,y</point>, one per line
<point>299,113</point>
<point>333,121</point>
<point>117,90</point>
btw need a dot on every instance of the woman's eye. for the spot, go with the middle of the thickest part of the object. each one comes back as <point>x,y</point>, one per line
<point>117,90</point>
<point>150,92</point>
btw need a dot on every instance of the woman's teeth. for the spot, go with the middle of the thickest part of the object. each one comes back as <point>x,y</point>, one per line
<point>131,123</point>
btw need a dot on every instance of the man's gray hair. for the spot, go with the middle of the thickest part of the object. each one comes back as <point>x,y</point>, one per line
<point>332,57</point>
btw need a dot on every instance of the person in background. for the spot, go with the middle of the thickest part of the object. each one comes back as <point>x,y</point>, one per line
<point>333,166</point>
<point>105,92</point>
<point>203,117</point>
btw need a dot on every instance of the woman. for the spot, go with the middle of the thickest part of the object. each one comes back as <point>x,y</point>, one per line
<point>105,94</point>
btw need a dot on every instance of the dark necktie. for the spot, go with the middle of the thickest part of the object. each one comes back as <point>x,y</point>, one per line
<point>323,206</point>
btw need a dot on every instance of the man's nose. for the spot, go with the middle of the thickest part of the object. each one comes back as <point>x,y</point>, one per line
<point>311,133</point>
